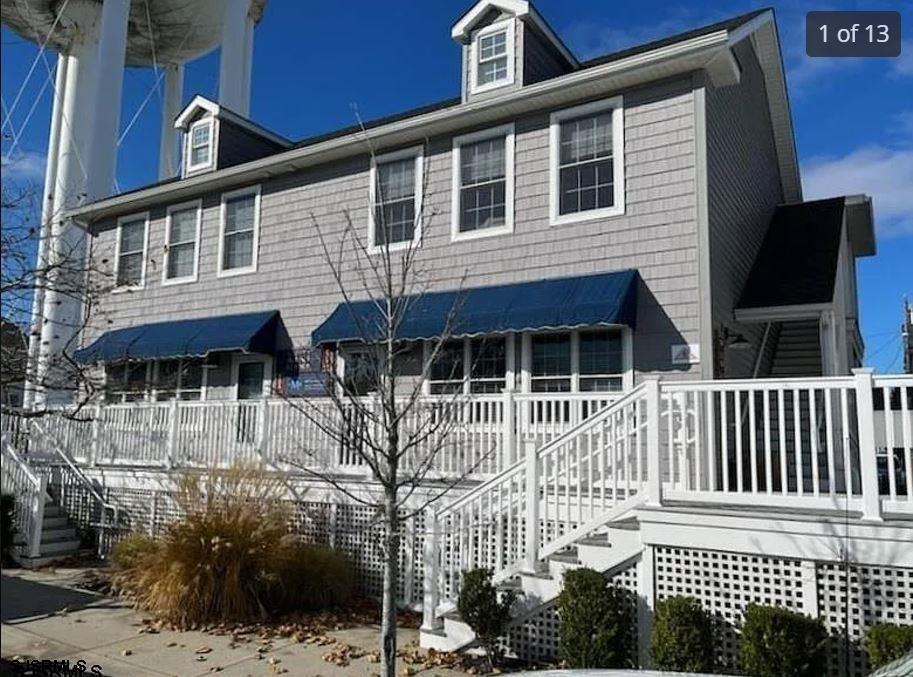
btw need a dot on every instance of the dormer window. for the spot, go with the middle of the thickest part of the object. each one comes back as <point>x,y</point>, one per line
<point>199,145</point>
<point>493,56</point>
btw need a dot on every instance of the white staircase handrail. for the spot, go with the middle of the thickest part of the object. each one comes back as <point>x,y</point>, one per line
<point>547,448</point>
<point>30,498</point>
<point>57,447</point>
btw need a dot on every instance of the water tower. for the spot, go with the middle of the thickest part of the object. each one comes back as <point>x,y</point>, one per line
<point>95,40</point>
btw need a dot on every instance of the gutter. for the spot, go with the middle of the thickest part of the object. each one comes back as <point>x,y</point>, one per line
<point>683,57</point>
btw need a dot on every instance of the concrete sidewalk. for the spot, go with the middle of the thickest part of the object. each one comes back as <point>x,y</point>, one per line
<point>44,617</point>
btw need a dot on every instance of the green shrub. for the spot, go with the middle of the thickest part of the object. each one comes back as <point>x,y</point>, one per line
<point>682,636</point>
<point>777,642</point>
<point>885,643</point>
<point>594,622</point>
<point>479,606</point>
<point>131,551</point>
<point>309,577</point>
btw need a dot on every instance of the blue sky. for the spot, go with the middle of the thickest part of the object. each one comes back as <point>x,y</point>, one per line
<point>314,66</point>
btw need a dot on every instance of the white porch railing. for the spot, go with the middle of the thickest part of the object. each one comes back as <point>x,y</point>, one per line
<point>30,490</point>
<point>820,443</point>
<point>477,435</point>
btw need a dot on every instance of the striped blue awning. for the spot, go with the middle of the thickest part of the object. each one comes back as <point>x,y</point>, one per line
<point>590,300</point>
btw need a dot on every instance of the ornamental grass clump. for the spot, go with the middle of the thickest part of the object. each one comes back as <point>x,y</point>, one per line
<point>231,558</point>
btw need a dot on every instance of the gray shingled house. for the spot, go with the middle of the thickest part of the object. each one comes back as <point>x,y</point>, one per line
<point>643,282</point>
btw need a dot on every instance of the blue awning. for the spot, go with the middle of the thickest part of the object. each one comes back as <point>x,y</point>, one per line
<point>251,332</point>
<point>604,299</point>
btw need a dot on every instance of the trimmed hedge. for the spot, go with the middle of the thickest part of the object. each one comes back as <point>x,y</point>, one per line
<point>479,606</point>
<point>777,642</point>
<point>682,636</point>
<point>594,622</point>
<point>885,643</point>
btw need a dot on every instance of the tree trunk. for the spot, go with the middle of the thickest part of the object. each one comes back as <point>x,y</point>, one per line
<point>391,574</point>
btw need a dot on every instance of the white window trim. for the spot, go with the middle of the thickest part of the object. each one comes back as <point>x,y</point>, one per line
<point>417,152</point>
<point>508,25</point>
<point>120,222</point>
<point>267,362</point>
<point>616,104</point>
<point>189,168</point>
<point>150,392</point>
<point>192,204</point>
<point>507,131</point>
<point>252,268</point>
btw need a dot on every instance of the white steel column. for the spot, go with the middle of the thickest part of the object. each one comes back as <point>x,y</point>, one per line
<point>112,46</point>
<point>233,69</point>
<point>169,153</point>
<point>65,248</point>
<point>47,216</point>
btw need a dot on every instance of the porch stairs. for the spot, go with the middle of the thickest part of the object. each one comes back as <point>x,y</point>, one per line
<point>43,534</point>
<point>581,489</point>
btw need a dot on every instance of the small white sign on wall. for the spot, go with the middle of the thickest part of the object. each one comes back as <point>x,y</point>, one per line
<point>686,353</point>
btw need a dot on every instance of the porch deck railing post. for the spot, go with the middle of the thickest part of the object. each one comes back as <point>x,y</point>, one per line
<point>508,439</point>
<point>95,449</point>
<point>868,464</point>
<point>37,516</point>
<point>532,504</point>
<point>431,554</point>
<point>174,422</point>
<point>654,459</point>
<point>263,428</point>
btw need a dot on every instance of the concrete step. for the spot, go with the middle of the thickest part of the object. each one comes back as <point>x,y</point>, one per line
<point>62,547</point>
<point>53,510</point>
<point>46,560</point>
<point>55,534</point>
<point>55,522</point>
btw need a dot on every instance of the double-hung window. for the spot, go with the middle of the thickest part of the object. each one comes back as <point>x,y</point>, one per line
<point>447,371</point>
<point>492,57</point>
<point>601,357</point>
<point>199,145</point>
<point>587,161</point>
<point>551,363</point>
<point>239,231</point>
<point>178,379</point>
<point>396,199</point>
<point>131,251</point>
<point>488,367</point>
<point>483,183</point>
<point>182,233</point>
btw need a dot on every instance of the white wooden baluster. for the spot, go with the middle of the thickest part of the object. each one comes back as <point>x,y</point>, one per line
<point>175,422</point>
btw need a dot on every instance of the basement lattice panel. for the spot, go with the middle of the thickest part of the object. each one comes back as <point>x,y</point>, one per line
<point>725,584</point>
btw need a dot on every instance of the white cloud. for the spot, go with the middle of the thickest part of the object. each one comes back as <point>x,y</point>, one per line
<point>903,64</point>
<point>25,166</point>
<point>884,173</point>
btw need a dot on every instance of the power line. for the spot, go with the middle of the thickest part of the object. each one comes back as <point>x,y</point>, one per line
<point>28,75</point>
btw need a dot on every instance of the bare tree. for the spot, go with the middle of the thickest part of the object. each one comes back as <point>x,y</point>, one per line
<point>32,267</point>
<point>395,431</point>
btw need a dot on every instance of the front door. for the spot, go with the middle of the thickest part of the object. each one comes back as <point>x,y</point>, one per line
<point>250,387</point>
<point>250,380</point>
